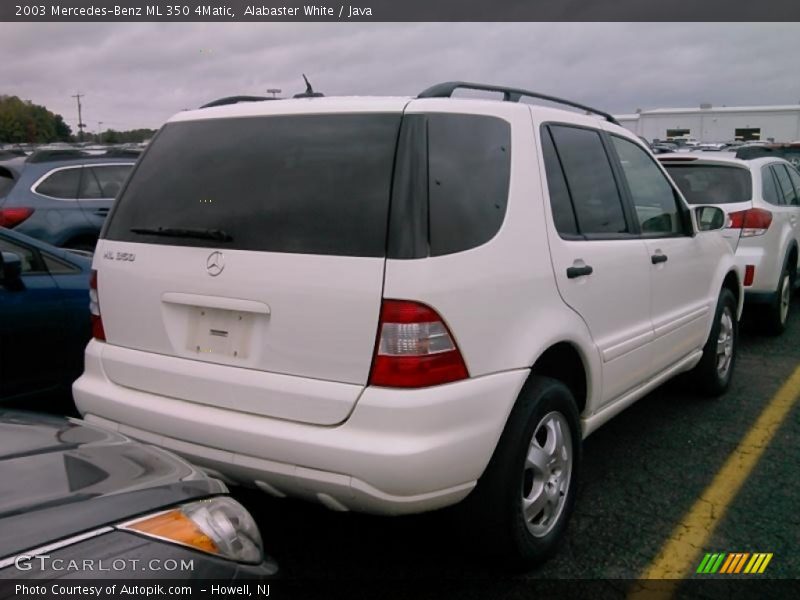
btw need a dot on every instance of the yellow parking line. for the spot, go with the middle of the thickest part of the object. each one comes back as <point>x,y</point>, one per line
<point>678,557</point>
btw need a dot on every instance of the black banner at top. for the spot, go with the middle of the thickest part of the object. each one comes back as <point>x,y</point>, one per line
<point>399,10</point>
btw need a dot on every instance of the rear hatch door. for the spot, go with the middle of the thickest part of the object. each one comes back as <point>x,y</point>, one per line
<point>255,247</point>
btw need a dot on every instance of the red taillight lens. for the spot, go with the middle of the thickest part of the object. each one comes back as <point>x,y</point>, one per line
<point>749,274</point>
<point>414,348</point>
<point>98,332</point>
<point>11,217</point>
<point>754,221</point>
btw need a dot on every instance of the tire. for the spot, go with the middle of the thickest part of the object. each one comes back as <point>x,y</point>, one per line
<point>494,512</point>
<point>776,314</point>
<point>714,372</point>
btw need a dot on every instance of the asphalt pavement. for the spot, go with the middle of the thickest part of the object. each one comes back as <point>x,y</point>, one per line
<point>641,473</point>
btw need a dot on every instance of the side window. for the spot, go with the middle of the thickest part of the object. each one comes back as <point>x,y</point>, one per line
<point>57,267</point>
<point>563,213</point>
<point>598,205</point>
<point>31,262</point>
<point>785,184</point>
<point>657,209</point>
<point>469,159</point>
<point>103,182</point>
<point>795,177</point>
<point>769,190</point>
<point>61,184</point>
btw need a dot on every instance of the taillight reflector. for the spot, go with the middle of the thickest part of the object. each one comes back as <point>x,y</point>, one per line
<point>749,274</point>
<point>414,348</point>
<point>98,331</point>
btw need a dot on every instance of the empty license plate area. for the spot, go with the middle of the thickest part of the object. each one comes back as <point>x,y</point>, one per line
<point>220,332</point>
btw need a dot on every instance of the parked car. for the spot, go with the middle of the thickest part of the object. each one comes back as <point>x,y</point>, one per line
<point>789,152</point>
<point>392,305</point>
<point>80,501</point>
<point>62,196</point>
<point>44,315</point>
<point>762,200</point>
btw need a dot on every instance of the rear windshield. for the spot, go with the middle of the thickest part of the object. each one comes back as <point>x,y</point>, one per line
<point>6,181</point>
<point>711,184</point>
<point>311,184</point>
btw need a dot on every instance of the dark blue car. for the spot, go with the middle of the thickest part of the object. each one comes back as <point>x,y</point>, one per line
<point>44,315</point>
<point>61,196</point>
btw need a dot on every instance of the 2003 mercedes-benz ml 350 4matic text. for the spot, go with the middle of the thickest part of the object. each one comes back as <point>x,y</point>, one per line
<point>395,304</point>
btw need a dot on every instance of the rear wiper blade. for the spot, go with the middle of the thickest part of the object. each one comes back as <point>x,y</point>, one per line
<point>203,234</point>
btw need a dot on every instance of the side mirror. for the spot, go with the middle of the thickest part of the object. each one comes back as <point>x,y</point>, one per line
<point>710,218</point>
<point>10,268</point>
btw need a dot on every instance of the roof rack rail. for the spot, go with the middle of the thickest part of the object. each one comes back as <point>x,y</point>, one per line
<point>51,155</point>
<point>445,90</point>
<point>236,100</point>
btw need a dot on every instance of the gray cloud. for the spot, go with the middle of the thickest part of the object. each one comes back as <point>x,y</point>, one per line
<point>137,75</point>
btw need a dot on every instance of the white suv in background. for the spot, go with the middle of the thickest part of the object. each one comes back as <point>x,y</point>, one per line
<point>762,199</point>
<point>392,305</point>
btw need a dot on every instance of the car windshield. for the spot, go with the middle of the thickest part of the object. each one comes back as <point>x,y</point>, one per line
<point>711,184</point>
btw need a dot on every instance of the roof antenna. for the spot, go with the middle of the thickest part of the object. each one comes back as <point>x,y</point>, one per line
<point>309,93</point>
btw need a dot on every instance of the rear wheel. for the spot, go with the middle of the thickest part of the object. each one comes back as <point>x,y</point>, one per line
<point>524,499</point>
<point>714,371</point>
<point>776,314</point>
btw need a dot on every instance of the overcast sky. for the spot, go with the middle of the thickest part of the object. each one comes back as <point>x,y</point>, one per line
<point>137,75</point>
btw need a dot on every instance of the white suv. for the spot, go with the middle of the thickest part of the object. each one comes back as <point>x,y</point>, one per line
<point>393,304</point>
<point>762,199</point>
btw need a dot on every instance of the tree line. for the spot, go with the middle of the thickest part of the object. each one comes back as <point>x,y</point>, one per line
<point>22,121</point>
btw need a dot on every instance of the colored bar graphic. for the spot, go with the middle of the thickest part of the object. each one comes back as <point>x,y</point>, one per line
<point>733,563</point>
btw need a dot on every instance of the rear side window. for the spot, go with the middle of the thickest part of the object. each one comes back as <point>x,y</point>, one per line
<point>769,190</point>
<point>103,181</point>
<point>711,184</point>
<point>315,184</point>
<point>61,184</point>
<point>785,185</point>
<point>594,192</point>
<point>795,177</point>
<point>469,159</point>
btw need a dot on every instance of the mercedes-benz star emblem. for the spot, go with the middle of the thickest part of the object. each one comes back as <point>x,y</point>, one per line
<point>215,263</point>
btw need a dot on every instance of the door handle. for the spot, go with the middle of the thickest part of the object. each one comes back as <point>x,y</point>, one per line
<point>573,272</point>
<point>658,258</point>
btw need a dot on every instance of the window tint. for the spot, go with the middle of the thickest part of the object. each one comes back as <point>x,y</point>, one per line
<point>711,184</point>
<point>61,184</point>
<point>103,182</point>
<point>769,190</point>
<point>785,185</point>
<point>469,159</point>
<point>598,206</point>
<point>563,214</point>
<point>795,177</point>
<point>652,195</point>
<point>316,184</point>
<point>30,258</point>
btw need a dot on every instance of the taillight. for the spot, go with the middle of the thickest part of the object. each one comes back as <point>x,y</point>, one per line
<point>11,217</point>
<point>94,308</point>
<point>752,222</point>
<point>414,348</point>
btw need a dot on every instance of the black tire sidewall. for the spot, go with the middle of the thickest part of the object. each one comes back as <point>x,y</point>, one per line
<point>500,488</point>
<point>707,374</point>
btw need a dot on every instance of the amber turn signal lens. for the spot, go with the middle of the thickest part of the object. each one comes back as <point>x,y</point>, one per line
<point>176,527</point>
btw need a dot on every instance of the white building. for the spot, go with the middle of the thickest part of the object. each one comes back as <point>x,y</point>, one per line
<point>717,124</point>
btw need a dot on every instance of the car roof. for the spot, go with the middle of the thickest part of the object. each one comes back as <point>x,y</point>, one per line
<point>391,104</point>
<point>705,158</point>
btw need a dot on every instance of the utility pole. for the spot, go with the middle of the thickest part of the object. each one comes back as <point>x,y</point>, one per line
<point>81,124</point>
<point>99,131</point>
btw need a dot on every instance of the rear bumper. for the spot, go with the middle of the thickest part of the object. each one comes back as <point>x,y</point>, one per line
<point>768,269</point>
<point>401,451</point>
